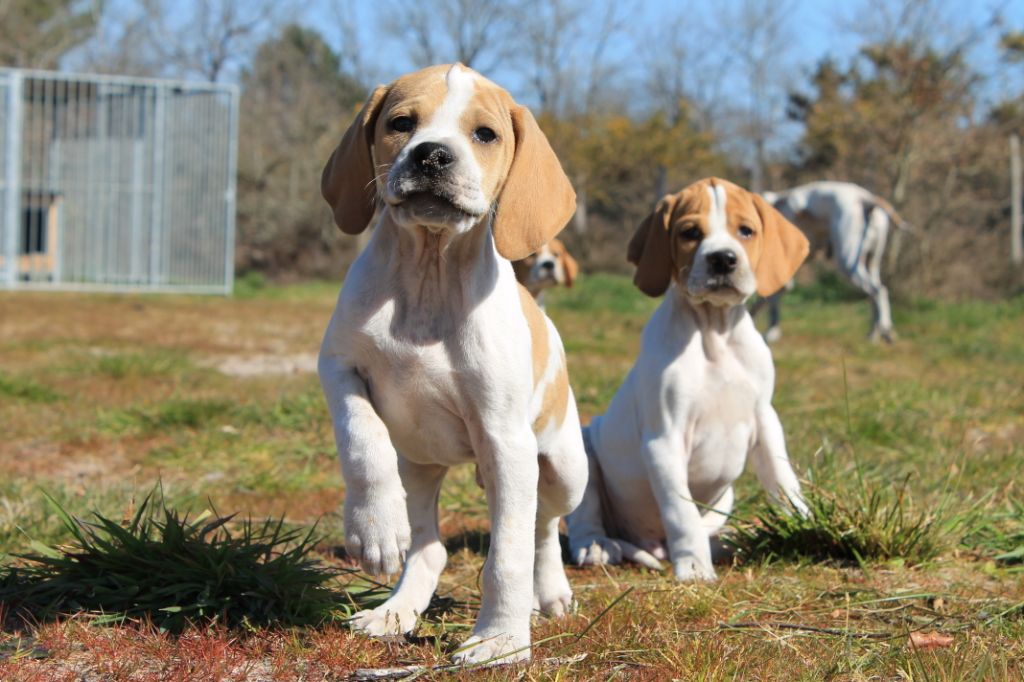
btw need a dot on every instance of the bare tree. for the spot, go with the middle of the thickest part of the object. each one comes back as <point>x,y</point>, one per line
<point>35,34</point>
<point>204,38</point>
<point>474,32</point>
<point>683,72</point>
<point>758,37</point>
<point>123,42</point>
<point>564,45</point>
<point>352,56</point>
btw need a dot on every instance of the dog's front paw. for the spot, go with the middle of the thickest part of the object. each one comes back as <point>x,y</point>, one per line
<point>493,649</point>
<point>387,619</point>
<point>377,530</point>
<point>692,569</point>
<point>800,507</point>
<point>552,595</point>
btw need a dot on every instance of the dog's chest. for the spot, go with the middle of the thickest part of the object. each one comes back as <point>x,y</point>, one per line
<point>418,385</point>
<point>721,427</point>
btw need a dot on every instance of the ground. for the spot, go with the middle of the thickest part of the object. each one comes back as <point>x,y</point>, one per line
<point>101,396</point>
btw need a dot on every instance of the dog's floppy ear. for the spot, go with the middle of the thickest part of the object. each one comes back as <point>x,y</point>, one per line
<point>784,249</point>
<point>537,199</point>
<point>348,182</point>
<point>570,267</point>
<point>650,249</point>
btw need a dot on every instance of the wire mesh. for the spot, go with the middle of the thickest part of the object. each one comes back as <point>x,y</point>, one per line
<point>116,183</point>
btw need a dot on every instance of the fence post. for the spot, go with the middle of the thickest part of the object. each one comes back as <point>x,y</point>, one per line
<point>12,171</point>
<point>230,194</point>
<point>1016,231</point>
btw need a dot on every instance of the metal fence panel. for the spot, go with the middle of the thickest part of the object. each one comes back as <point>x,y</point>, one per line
<point>5,258</point>
<point>119,183</point>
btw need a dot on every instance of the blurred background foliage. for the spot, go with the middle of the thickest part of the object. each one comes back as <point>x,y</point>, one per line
<point>638,99</point>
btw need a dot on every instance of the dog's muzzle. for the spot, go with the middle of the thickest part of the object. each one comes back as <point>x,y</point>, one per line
<point>427,183</point>
<point>432,158</point>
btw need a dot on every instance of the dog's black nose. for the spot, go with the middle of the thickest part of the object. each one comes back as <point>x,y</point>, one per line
<point>722,262</point>
<point>547,265</point>
<point>432,158</point>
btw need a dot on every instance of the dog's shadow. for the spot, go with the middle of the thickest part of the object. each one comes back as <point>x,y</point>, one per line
<point>477,541</point>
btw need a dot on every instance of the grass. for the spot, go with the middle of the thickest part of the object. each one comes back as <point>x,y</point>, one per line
<point>174,571</point>
<point>910,453</point>
<point>874,523</point>
<point>20,388</point>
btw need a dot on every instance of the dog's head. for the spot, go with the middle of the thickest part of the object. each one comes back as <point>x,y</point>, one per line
<point>550,266</point>
<point>720,242</point>
<point>442,148</point>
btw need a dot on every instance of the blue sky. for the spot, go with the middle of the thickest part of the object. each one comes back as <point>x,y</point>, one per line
<point>817,31</point>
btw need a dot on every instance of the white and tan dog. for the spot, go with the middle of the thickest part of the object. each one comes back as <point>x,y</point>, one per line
<point>664,456</point>
<point>435,356</point>
<point>552,265</point>
<point>854,223</point>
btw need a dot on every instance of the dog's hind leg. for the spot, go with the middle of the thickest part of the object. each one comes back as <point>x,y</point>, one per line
<point>881,327</point>
<point>424,562</point>
<point>589,540</point>
<point>879,226</point>
<point>560,487</point>
<point>774,330</point>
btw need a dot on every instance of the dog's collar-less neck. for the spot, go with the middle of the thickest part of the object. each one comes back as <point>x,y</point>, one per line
<point>439,272</point>
<point>715,324</point>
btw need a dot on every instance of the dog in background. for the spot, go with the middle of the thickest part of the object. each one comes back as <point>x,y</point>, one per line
<point>697,402</point>
<point>853,225</point>
<point>552,265</point>
<point>435,356</point>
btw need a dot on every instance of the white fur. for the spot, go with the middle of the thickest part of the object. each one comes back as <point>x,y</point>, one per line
<point>858,223</point>
<point>426,363</point>
<point>664,456</point>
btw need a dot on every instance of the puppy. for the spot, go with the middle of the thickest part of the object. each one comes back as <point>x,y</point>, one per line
<point>435,356</point>
<point>664,456</point>
<point>551,266</point>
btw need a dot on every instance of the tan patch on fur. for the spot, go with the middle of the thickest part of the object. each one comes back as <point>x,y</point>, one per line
<point>556,401</point>
<point>556,394</point>
<point>775,250</point>
<point>538,333</point>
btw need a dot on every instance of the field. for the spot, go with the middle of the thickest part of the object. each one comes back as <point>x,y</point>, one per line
<point>915,447</point>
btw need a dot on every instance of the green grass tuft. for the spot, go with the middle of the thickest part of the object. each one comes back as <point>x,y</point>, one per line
<point>1000,534</point>
<point>171,414</point>
<point>171,570</point>
<point>845,527</point>
<point>25,389</point>
<point>148,364</point>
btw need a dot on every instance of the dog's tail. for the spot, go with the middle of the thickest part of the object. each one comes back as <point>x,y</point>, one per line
<point>875,201</point>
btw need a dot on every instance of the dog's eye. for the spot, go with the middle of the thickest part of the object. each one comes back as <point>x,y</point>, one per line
<point>692,234</point>
<point>485,135</point>
<point>403,124</point>
<point>746,232</point>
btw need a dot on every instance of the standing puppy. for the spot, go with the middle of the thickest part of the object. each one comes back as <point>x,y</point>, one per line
<point>435,356</point>
<point>552,265</point>
<point>678,431</point>
<point>856,223</point>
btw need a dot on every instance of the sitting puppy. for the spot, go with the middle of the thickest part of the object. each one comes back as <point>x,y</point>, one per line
<point>677,433</point>
<point>549,267</point>
<point>435,356</point>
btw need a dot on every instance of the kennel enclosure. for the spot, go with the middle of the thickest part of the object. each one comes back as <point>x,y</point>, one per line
<point>116,183</point>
